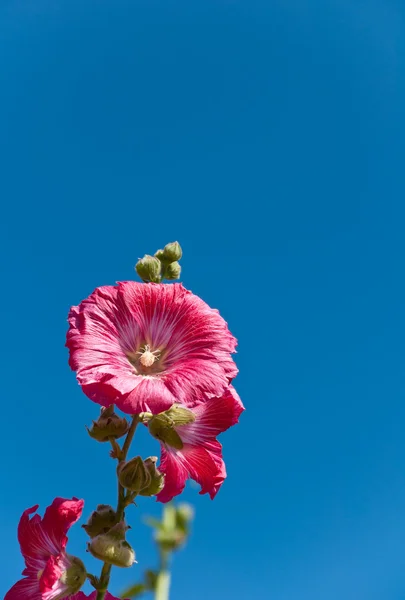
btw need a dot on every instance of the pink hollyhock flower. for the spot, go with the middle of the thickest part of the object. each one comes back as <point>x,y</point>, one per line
<point>145,346</point>
<point>189,445</point>
<point>50,573</point>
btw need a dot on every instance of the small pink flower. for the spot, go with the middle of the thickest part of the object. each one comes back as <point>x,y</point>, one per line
<point>200,457</point>
<point>145,346</point>
<point>43,543</point>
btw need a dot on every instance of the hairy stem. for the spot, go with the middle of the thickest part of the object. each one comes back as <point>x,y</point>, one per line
<point>121,505</point>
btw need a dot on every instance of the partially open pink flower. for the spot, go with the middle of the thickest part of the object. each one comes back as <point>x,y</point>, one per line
<point>145,346</point>
<point>189,445</point>
<point>50,573</point>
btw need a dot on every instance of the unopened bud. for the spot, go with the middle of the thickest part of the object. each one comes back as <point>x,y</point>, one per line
<point>157,478</point>
<point>180,415</point>
<point>112,547</point>
<point>108,425</point>
<point>173,271</point>
<point>100,521</point>
<point>162,428</point>
<point>74,576</point>
<point>170,253</point>
<point>134,475</point>
<point>148,268</point>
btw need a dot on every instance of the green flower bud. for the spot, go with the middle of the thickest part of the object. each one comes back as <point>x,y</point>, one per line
<point>74,576</point>
<point>170,253</point>
<point>108,425</point>
<point>100,521</point>
<point>134,475</point>
<point>162,426</point>
<point>148,268</point>
<point>112,547</point>
<point>160,255</point>
<point>172,271</point>
<point>180,415</point>
<point>157,478</point>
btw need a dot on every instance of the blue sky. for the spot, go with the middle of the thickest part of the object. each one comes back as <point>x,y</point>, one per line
<point>268,138</point>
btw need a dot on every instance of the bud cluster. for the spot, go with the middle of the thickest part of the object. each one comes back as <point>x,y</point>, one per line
<point>112,547</point>
<point>163,265</point>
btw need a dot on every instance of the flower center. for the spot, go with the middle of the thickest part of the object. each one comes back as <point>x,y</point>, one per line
<point>147,357</point>
<point>146,360</point>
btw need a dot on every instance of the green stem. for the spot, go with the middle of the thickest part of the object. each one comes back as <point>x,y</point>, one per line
<point>129,438</point>
<point>162,586</point>
<point>163,579</point>
<point>121,505</point>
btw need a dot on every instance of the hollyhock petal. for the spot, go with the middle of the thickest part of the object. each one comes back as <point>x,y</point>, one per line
<point>101,393</point>
<point>205,466</point>
<point>60,516</point>
<point>212,418</point>
<point>25,589</point>
<point>51,575</point>
<point>187,346</point>
<point>195,380</point>
<point>176,475</point>
<point>148,396</point>
<point>27,532</point>
<point>101,331</point>
<point>92,596</point>
<point>36,544</point>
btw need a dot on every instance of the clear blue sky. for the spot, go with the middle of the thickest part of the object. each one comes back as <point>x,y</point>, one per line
<point>268,138</point>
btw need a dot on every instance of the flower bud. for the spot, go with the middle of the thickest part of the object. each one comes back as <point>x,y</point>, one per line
<point>170,253</point>
<point>108,425</point>
<point>148,268</point>
<point>162,428</point>
<point>180,415</point>
<point>172,271</point>
<point>157,478</point>
<point>112,547</point>
<point>74,576</point>
<point>134,475</point>
<point>100,521</point>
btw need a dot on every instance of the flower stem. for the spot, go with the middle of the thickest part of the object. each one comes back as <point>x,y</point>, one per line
<point>162,586</point>
<point>129,438</point>
<point>121,505</point>
<point>163,579</point>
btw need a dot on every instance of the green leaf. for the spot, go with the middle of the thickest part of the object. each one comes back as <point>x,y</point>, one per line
<point>150,579</point>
